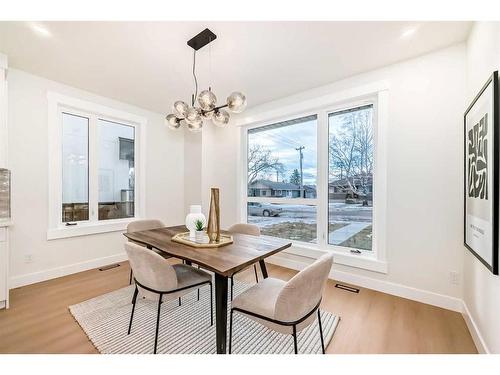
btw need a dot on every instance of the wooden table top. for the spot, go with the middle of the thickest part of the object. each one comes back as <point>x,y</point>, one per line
<point>227,260</point>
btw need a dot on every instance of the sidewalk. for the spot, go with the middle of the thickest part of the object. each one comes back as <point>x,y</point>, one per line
<point>340,235</point>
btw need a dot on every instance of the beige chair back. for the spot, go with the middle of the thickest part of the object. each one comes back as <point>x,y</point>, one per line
<point>139,225</point>
<point>150,269</point>
<point>250,229</point>
<point>303,291</point>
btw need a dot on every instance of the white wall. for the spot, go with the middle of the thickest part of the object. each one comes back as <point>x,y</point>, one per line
<point>424,171</point>
<point>481,287</point>
<point>28,160</point>
<point>192,174</point>
<point>220,158</point>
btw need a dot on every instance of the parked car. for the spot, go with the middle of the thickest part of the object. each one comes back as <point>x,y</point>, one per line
<point>263,209</point>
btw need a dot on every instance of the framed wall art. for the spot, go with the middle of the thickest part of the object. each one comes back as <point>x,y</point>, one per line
<point>481,163</point>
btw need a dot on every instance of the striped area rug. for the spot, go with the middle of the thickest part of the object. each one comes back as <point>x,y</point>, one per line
<point>184,329</point>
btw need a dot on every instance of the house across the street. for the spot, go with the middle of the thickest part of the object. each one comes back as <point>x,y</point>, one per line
<point>353,187</point>
<point>266,188</point>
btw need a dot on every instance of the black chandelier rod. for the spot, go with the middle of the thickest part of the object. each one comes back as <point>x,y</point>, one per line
<point>203,111</point>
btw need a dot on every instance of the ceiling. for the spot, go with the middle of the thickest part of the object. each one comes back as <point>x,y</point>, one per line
<point>148,64</point>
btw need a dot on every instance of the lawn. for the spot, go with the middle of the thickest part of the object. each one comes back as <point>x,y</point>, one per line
<point>291,230</point>
<point>297,231</point>
<point>361,240</point>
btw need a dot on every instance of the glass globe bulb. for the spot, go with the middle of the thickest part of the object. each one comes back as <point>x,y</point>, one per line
<point>193,116</point>
<point>172,122</point>
<point>181,108</point>
<point>221,118</point>
<point>236,102</point>
<point>208,115</point>
<point>207,100</point>
<point>195,127</point>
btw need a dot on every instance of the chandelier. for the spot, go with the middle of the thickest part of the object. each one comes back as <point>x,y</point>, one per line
<point>192,116</point>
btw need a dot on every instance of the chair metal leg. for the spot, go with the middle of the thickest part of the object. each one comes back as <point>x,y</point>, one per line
<point>321,332</point>
<point>295,339</point>
<point>255,270</point>
<point>211,305</point>
<point>157,323</point>
<point>198,288</point>
<point>180,303</point>
<point>230,330</point>
<point>134,299</point>
<point>232,287</point>
<point>130,278</point>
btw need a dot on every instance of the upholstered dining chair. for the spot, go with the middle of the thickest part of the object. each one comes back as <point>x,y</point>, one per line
<point>140,225</point>
<point>252,230</point>
<point>155,278</point>
<point>286,306</point>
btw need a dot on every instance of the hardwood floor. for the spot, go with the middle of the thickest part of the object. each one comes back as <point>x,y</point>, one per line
<point>371,322</point>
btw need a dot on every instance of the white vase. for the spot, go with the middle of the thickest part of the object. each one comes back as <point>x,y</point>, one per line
<point>200,236</point>
<point>194,215</point>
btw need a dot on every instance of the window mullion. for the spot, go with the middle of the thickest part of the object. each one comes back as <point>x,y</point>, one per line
<point>322,184</point>
<point>93,170</point>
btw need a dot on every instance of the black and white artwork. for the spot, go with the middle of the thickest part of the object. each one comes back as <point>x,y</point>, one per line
<point>481,175</point>
<point>477,153</point>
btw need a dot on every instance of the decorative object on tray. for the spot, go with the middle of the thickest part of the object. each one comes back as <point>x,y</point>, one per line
<point>183,238</point>
<point>481,185</point>
<point>194,215</point>
<point>213,228</point>
<point>200,233</point>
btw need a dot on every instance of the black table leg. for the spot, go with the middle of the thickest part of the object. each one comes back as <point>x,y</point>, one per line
<point>221,312</point>
<point>188,262</point>
<point>263,268</point>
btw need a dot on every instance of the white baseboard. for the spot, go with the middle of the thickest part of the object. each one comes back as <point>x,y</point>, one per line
<point>481,346</point>
<point>400,290</point>
<point>431,298</point>
<point>36,277</point>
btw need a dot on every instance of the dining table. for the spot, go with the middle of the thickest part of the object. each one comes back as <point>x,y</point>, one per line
<point>223,261</point>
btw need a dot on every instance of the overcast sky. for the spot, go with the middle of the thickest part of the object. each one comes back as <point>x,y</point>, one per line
<point>284,140</point>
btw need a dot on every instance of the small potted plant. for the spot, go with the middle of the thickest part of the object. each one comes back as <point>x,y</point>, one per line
<point>200,233</point>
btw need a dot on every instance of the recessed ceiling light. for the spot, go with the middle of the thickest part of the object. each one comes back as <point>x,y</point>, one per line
<point>408,32</point>
<point>40,30</point>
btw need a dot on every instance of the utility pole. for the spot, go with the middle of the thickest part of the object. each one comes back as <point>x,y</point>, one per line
<point>299,149</point>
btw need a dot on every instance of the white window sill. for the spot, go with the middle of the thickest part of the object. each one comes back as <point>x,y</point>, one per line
<point>6,223</point>
<point>363,261</point>
<point>85,229</point>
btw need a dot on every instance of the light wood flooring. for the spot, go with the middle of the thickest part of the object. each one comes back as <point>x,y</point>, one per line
<point>371,322</point>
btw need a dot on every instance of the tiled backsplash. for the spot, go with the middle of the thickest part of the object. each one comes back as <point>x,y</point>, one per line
<point>4,194</point>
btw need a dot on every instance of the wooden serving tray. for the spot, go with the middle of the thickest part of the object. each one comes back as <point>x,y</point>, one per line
<point>184,239</point>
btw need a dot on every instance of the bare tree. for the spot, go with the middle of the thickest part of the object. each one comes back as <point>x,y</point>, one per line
<point>261,162</point>
<point>351,152</point>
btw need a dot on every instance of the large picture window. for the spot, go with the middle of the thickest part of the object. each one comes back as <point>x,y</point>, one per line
<point>350,178</point>
<point>93,167</point>
<point>282,179</point>
<point>116,170</point>
<point>115,181</point>
<point>319,179</point>
<point>75,167</point>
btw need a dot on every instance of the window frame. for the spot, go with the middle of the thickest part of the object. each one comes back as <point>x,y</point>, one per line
<point>375,203</point>
<point>269,199</point>
<point>58,104</point>
<point>375,94</point>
